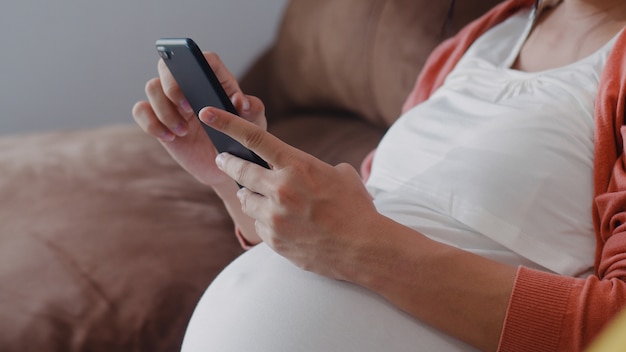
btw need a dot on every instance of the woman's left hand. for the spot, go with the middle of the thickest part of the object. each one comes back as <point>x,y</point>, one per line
<point>312,213</point>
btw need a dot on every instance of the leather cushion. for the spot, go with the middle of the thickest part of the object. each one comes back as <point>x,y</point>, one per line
<point>106,244</point>
<point>360,56</point>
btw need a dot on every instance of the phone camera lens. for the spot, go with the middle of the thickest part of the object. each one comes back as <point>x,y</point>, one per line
<point>163,53</point>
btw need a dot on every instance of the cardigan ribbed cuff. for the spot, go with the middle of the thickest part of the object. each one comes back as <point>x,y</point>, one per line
<point>536,312</point>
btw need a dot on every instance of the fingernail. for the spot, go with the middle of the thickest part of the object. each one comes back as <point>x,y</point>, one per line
<point>207,115</point>
<point>180,129</point>
<point>167,136</point>
<point>184,104</point>
<point>219,160</point>
<point>245,104</point>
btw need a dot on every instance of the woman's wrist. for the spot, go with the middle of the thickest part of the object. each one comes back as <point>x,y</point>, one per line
<point>244,225</point>
<point>380,258</point>
<point>224,189</point>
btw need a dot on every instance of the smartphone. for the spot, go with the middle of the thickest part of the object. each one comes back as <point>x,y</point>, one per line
<point>201,88</point>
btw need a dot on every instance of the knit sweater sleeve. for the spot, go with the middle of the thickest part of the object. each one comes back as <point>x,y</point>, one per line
<point>549,312</point>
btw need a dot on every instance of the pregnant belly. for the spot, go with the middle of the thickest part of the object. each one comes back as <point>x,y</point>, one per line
<point>262,302</point>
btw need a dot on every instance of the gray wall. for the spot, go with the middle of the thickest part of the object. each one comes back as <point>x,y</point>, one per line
<point>79,64</point>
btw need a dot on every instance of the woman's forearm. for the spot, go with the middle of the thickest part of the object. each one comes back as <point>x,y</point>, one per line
<point>228,193</point>
<point>455,291</point>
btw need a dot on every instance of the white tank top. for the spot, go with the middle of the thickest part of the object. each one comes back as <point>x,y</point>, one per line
<point>497,162</point>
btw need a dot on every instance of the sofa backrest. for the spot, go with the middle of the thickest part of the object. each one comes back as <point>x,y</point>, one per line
<point>358,56</point>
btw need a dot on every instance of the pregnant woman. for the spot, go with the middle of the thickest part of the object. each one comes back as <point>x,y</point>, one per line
<point>492,216</point>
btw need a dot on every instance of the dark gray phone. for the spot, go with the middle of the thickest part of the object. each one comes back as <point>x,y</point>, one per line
<point>201,88</point>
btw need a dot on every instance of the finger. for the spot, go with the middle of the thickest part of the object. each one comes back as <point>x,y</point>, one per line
<point>226,78</point>
<point>248,174</point>
<point>164,109</point>
<point>253,204</point>
<point>251,108</point>
<point>241,103</point>
<point>264,232</point>
<point>172,90</point>
<point>149,123</point>
<point>253,137</point>
<point>229,82</point>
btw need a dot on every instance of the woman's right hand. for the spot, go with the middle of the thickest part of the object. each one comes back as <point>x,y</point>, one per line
<point>167,116</point>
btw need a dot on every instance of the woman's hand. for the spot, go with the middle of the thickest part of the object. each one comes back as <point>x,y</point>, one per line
<point>169,117</point>
<point>312,213</point>
<point>322,219</point>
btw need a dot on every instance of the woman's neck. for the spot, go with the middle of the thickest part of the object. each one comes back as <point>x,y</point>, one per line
<point>570,31</point>
<point>577,10</point>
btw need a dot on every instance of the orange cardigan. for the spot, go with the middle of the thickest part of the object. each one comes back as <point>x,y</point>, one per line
<point>548,312</point>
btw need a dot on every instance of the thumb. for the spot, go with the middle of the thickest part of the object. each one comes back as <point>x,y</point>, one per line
<point>250,108</point>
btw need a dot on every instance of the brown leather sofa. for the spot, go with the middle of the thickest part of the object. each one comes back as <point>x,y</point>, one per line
<point>107,245</point>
